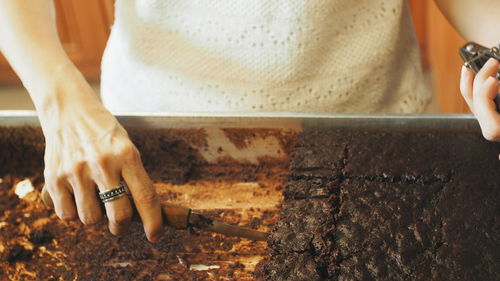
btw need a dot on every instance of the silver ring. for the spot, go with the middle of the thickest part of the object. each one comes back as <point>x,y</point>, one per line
<point>112,194</point>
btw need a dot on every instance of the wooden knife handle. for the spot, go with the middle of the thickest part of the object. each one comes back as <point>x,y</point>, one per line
<point>175,216</point>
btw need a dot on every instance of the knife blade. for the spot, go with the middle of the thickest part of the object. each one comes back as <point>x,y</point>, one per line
<point>182,218</point>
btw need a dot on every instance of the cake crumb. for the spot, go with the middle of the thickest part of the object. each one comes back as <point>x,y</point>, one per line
<point>23,188</point>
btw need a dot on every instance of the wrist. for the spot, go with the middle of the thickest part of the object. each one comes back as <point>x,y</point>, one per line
<point>66,103</point>
<point>49,87</point>
<point>62,87</point>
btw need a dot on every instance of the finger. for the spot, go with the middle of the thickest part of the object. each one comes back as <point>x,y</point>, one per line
<point>85,193</point>
<point>466,85</point>
<point>486,110</point>
<point>62,199</point>
<point>47,200</point>
<point>119,210</point>
<point>489,69</point>
<point>144,195</point>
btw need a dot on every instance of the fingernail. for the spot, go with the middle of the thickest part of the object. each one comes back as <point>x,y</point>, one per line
<point>464,71</point>
<point>155,237</point>
<point>490,61</point>
<point>492,80</point>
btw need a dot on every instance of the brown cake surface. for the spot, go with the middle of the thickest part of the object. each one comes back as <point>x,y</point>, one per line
<point>305,225</point>
<point>358,205</point>
<point>36,245</point>
<point>319,154</point>
<point>303,188</point>
<point>389,231</point>
<point>407,206</point>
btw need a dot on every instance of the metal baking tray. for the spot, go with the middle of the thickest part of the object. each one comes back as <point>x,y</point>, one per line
<point>452,122</point>
<point>263,145</point>
<point>249,201</point>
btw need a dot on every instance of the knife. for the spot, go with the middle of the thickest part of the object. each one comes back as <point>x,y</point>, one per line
<point>183,218</point>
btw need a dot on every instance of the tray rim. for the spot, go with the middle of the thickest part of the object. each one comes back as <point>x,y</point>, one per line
<point>32,113</point>
<point>453,122</point>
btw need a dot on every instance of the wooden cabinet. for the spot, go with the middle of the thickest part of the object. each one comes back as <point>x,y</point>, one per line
<point>83,28</point>
<point>439,44</point>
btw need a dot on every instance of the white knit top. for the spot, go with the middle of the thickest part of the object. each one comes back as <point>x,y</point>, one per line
<point>325,56</point>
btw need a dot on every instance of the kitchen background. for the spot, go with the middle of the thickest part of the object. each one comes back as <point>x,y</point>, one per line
<point>84,28</point>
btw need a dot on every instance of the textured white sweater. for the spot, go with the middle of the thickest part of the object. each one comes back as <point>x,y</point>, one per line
<point>327,56</point>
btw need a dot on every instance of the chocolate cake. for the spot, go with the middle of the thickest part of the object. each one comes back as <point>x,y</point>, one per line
<point>305,225</point>
<point>291,266</point>
<point>323,159</point>
<point>36,245</point>
<point>305,229</point>
<point>303,188</point>
<point>401,206</point>
<point>402,231</point>
<point>352,205</point>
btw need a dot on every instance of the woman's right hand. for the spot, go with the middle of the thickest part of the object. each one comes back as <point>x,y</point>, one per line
<point>88,150</point>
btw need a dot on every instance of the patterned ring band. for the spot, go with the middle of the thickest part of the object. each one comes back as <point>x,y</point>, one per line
<point>112,194</point>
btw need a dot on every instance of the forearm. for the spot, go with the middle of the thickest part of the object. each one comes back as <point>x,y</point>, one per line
<point>29,41</point>
<point>477,20</point>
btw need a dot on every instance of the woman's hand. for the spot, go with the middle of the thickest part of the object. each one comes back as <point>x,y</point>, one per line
<point>479,92</point>
<point>88,150</point>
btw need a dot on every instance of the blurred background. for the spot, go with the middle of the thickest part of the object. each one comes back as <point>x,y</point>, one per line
<point>84,27</point>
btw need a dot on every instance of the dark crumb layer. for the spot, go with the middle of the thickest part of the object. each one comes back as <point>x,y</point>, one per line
<point>21,151</point>
<point>418,157</point>
<point>17,252</point>
<point>389,231</point>
<point>168,155</point>
<point>303,235</point>
<point>310,188</point>
<point>291,267</point>
<point>304,225</point>
<point>413,206</point>
<point>441,231</point>
<point>323,159</point>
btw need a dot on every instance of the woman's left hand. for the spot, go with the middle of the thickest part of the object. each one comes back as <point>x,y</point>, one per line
<point>479,92</point>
